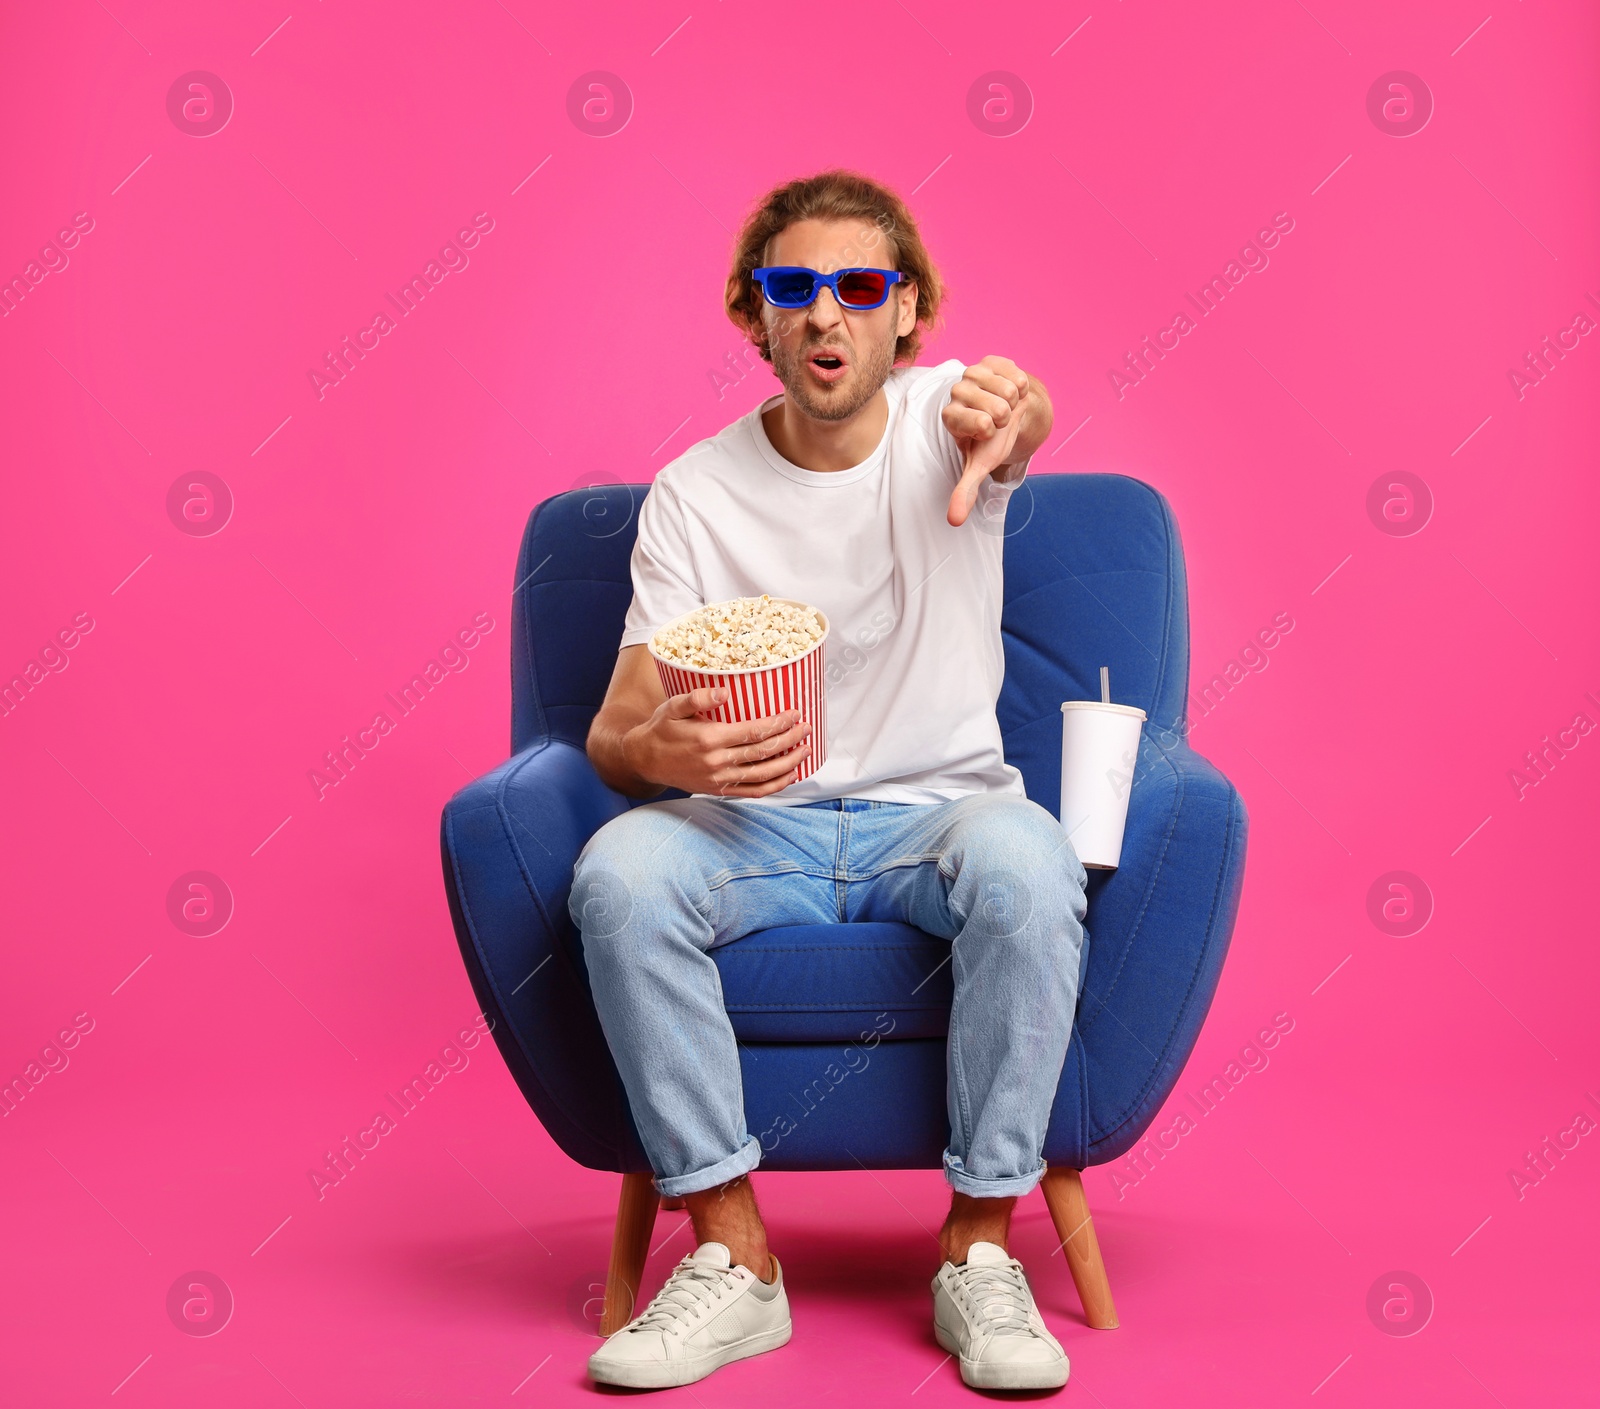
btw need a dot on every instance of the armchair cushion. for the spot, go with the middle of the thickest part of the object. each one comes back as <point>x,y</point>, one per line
<point>838,983</point>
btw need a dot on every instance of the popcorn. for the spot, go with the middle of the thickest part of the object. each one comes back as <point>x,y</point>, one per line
<point>747,633</point>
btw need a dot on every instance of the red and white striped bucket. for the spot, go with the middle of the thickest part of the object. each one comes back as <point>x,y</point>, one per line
<point>757,694</point>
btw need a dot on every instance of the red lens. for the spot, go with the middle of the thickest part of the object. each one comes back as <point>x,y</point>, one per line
<point>862,288</point>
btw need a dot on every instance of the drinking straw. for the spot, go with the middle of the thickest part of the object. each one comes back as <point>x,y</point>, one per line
<point>1105,684</point>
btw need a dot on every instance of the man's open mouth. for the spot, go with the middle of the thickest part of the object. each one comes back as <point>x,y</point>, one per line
<point>828,365</point>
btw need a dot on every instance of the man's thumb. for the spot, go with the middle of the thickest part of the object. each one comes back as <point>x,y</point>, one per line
<point>966,491</point>
<point>699,701</point>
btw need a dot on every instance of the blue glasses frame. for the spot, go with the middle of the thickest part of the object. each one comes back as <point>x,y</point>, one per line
<point>820,281</point>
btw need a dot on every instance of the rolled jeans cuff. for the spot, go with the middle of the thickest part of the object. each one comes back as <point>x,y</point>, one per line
<point>974,1187</point>
<point>741,1161</point>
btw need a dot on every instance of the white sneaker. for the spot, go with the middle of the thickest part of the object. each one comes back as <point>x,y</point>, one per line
<point>708,1314</point>
<point>984,1312</point>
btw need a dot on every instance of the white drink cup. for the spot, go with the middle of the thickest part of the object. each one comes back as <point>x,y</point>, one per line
<point>1099,747</point>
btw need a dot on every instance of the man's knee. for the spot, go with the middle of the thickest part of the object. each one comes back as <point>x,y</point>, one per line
<point>1021,864</point>
<point>629,870</point>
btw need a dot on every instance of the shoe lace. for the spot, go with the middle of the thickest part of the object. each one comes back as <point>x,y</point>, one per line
<point>690,1284</point>
<point>998,1293</point>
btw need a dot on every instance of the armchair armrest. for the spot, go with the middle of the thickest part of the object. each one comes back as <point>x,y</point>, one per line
<point>1159,931</point>
<point>508,843</point>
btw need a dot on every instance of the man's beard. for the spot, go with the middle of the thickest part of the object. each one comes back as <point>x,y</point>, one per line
<point>840,401</point>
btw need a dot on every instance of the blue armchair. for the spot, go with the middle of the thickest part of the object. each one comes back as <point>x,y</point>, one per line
<point>842,1027</point>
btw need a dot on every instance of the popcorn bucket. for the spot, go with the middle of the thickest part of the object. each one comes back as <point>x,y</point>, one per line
<point>756,694</point>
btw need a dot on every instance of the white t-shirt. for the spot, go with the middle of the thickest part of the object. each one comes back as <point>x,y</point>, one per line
<point>914,658</point>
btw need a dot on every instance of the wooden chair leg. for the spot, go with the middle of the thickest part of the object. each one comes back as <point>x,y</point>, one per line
<point>1069,1211</point>
<point>630,1245</point>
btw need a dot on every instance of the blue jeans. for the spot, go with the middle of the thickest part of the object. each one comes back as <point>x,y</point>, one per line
<point>658,887</point>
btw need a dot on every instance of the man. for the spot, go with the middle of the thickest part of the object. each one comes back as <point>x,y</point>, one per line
<point>875,492</point>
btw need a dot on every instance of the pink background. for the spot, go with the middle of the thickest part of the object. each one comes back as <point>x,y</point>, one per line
<point>372,524</point>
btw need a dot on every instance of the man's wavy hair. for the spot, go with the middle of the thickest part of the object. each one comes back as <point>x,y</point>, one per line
<point>835,195</point>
